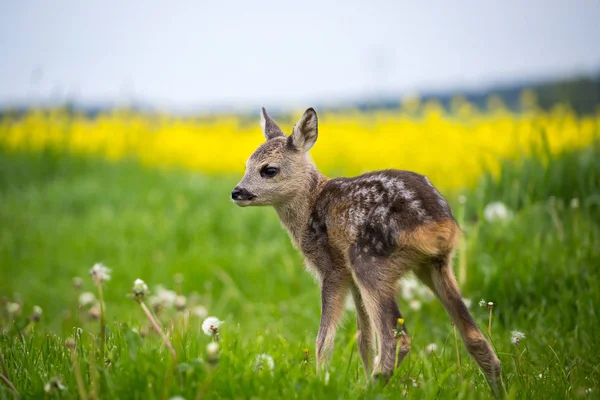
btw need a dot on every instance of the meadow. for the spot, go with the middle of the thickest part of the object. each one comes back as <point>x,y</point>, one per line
<point>148,196</point>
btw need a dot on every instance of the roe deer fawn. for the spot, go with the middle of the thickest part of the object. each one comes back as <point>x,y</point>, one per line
<point>362,235</point>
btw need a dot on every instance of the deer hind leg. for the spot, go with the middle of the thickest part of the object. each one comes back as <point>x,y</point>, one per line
<point>364,331</point>
<point>334,288</point>
<point>440,278</point>
<point>376,280</point>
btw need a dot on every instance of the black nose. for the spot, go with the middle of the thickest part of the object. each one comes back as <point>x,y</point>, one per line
<point>241,194</point>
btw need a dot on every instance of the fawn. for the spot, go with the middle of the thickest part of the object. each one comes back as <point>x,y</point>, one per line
<point>362,235</point>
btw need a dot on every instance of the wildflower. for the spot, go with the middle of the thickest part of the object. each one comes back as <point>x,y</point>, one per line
<point>139,290</point>
<point>86,299</point>
<point>415,305</point>
<point>212,352</point>
<point>54,385</point>
<point>210,326</point>
<point>306,355</point>
<point>409,288</point>
<point>200,311</point>
<point>70,343</point>
<point>497,211</point>
<point>100,273</point>
<point>77,282</point>
<point>482,303</point>
<point>164,298</point>
<point>264,361</point>
<point>94,312</point>
<point>13,308</point>
<point>399,331</point>
<point>180,303</point>
<point>516,337</point>
<point>36,315</point>
<point>431,348</point>
<point>574,203</point>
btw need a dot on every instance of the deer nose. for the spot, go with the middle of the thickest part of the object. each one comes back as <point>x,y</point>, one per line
<point>241,194</point>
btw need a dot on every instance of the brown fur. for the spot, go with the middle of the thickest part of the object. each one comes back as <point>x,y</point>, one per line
<point>362,235</point>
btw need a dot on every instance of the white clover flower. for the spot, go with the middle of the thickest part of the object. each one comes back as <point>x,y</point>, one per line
<point>431,348</point>
<point>100,273</point>
<point>211,325</point>
<point>13,308</point>
<point>264,362</point>
<point>516,337</point>
<point>200,311</point>
<point>414,305</point>
<point>497,211</point>
<point>140,289</point>
<point>482,303</point>
<point>86,299</point>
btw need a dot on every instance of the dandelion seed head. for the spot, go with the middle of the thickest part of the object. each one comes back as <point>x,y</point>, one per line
<point>431,348</point>
<point>86,299</point>
<point>462,199</point>
<point>414,305</point>
<point>70,343</point>
<point>36,314</point>
<point>200,311</point>
<point>13,308</point>
<point>482,303</point>
<point>516,337</point>
<point>490,304</point>
<point>164,298</point>
<point>180,303</point>
<point>264,362</point>
<point>497,211</point>
<point>54,385</point>
<point>100,273</point>
<point>467,302</point>
<point>574,203</point>
<point>77,282</point>
<point>211,325</point>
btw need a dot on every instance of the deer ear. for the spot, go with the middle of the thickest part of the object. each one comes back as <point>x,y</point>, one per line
<point>268,125</point>
<point>305,132</point>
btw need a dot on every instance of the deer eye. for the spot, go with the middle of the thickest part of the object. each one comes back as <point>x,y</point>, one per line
<point>268,172</point>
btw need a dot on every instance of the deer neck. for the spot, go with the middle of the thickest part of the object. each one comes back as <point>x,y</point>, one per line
<point>295,213</point>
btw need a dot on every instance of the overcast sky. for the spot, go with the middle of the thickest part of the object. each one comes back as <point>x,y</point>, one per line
<point>188,54</point>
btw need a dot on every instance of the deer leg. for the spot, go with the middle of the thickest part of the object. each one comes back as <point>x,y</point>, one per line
<point>376,280</point>
<point>364,331</point>
<point>440,278</point>
<point>333,294</point>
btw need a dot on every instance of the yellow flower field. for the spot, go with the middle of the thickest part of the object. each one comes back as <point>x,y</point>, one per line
<point>452,149</point>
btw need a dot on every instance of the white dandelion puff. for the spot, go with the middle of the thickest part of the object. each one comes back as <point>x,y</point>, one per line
<point>497,211</point>
<point>86,299</point>
<point>100,273</point>
<point>13,308</point>
<point>200,311</point>
<point>431,348</point>
<point>467,302</point>
<point>482,303</point>
<point>37,313</point>
<point>180,303</point>
<point>164,298</point>
<point>211,325</point>
<point>516,337</point>
<point>414,305</point>
<point>264,362</point>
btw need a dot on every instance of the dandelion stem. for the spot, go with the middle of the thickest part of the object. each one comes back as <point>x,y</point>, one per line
<point>490,322</point>
<point>158,329</point>
<point>78,377</point>
<point>457,354</point>
<point>9,384</point>
<point>102,322</point>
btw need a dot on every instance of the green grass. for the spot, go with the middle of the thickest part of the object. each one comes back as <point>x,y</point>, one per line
<point>60,214</point>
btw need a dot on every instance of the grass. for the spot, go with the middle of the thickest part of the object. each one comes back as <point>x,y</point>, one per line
<point>60,214</point>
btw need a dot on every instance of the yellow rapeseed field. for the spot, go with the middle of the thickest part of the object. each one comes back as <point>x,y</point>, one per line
<point>451,148</point>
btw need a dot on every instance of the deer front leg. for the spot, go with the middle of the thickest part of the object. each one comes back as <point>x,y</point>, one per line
<point>333,294</point>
